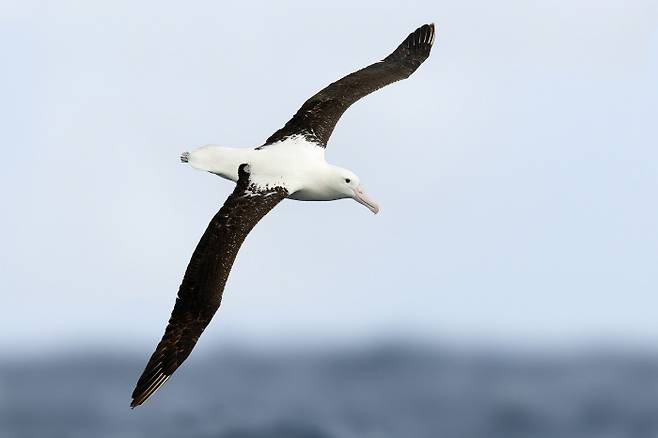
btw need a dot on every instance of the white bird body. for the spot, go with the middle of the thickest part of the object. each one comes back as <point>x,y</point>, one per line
<point>294,163</point>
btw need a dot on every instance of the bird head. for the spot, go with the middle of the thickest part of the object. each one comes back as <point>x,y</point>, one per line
<point>348,185</point>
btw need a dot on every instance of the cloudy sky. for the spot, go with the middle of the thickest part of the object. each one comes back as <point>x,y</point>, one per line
<point>517,171</point>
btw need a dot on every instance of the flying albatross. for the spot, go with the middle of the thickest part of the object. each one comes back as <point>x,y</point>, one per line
<point>290,164</point>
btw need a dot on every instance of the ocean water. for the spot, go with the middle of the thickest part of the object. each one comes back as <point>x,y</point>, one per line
<point>379,391</point>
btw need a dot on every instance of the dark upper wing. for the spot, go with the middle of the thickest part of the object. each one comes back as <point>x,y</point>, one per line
<point>317,118</point>
<point>200,293</point>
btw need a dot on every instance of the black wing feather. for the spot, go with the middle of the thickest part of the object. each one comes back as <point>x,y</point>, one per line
<point>200,293</point>
<point>317,118</point>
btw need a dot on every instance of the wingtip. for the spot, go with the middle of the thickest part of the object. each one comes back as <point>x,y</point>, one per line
<point>146,390</point>
<point>422,36</point>
<point>136,402</point>
<point>433,33</point>
<point>427,32</point>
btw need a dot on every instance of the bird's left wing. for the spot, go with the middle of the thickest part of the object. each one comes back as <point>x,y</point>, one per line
<point>201,291</point>
<point>317,117</point>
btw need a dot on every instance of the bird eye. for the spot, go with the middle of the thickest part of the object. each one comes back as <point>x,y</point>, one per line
<point>347,180</point>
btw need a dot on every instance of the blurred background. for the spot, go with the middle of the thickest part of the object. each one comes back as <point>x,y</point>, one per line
<point>507,288</point>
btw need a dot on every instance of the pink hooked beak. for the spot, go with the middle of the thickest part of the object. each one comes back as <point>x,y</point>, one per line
<point>361,197</point>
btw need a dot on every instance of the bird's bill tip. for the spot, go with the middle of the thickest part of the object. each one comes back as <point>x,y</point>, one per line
<point>363,199</point>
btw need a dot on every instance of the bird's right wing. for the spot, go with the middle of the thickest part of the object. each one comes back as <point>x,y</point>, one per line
<point>201,291</point>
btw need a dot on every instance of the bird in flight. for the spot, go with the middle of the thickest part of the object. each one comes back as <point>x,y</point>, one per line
<point>290,164</point>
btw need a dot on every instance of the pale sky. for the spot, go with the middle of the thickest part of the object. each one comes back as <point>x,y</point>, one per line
<point>517,171</point>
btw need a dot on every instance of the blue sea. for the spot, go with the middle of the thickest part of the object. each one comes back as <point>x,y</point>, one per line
<point>378,391</point>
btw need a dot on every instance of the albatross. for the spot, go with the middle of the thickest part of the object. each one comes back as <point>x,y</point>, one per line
<point>290,164</point>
